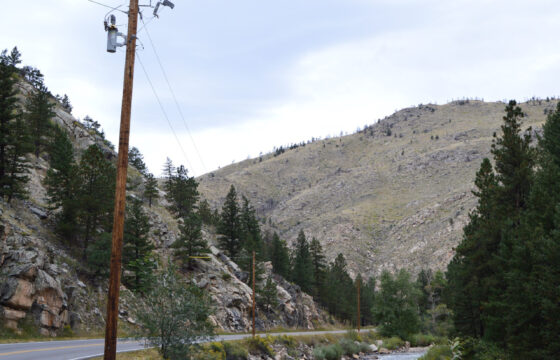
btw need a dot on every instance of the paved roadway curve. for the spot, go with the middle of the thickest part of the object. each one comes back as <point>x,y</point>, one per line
<point>86,349</point>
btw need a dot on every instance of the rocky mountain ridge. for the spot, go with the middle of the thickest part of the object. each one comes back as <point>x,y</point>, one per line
<point>394,195</point>
<point>42,284</point>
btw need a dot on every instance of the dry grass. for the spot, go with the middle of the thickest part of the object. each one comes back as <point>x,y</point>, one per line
<point>149,354</point>
<point>383,201</point>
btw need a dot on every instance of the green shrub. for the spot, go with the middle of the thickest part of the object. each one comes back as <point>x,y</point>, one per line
<point>353,335</point>
<point>480,350</point>
<point>211,351</point>
<point>349,347</point>
<point>235,350</point>
<point>393,343</point>
<point>289,341</point>
<point>261,345</point>
<point>226,276</point>
<point>439,352</point>
<point>67,331</point>
<point>329,352</point>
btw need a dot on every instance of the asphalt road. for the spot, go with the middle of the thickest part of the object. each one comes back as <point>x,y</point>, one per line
<point>86,349</point>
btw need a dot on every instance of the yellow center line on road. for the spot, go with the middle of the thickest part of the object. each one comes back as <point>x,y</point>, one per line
<point>50,349</point>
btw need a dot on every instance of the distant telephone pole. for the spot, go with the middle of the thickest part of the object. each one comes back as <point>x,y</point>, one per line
<point>359,320</point>
<point>120,192</point>
<point>253,294</point>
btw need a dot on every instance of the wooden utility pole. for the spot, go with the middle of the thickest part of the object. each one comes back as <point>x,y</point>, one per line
<point>120,192</point>
<point>253,294</point>
<point>359,320</point>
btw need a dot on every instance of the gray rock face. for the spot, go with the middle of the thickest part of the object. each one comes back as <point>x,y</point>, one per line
<point>223,280</point>
<point>33,286</point>
<point>40,213</point>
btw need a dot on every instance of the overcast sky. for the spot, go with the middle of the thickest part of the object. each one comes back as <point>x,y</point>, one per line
<point>251,75</point>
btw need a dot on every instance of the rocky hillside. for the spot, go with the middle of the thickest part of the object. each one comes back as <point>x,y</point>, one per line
<point>43,285</point>
<point>396,194</point>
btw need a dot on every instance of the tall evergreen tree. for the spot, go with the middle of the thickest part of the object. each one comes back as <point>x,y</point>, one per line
<point>205,212</point>
<point>395,305</point>
<point>533,271</point>
<point>182,193</point>
<point>319,266</point>
<point>190,243</point>
<point>280,256</point>
<point>17,165</point>
<point>136,159</point>
<point>367,299</point>
<point>39,112</point>
<point>339,282</point>
<point>95,195</point>
<point>151,191</point>
<point>14,141</point>
<point>302,270</point>
<point>137,248</point>
<point>62,183</point>
<point>250,229</point>
<point>229,228</point>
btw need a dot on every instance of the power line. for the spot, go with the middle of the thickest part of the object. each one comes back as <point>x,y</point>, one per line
<point>164,112</point>
<point>110,7</point>
<point>173,95</point>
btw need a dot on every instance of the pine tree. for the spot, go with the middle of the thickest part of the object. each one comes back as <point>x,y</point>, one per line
<point>14,59</point>
<point>17,165</point>
<point>137,248</point>
<point>182,193</point>
<point>136,159</point>
<point>339,282</point>
<point>99,254</point>
<point>532,273</point>
<point>267,297</point>
<point>367,299</point>
<point>61,183</point>
<point>168,174</point>
<point>66,105</point>
<point>395,305</point>
<point>95,195</point>
<point>302,270</point>
<point>318,260</point>
<point>205,212</point>
<point>190,243</point>
<point>151,191</point>
<point>229,228</point>
<point>250,229</point>
<point>39,112</point>
<point>471,268</point>
<point>60,179</point>
<point>14,139</point>
<point>280,256</point>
